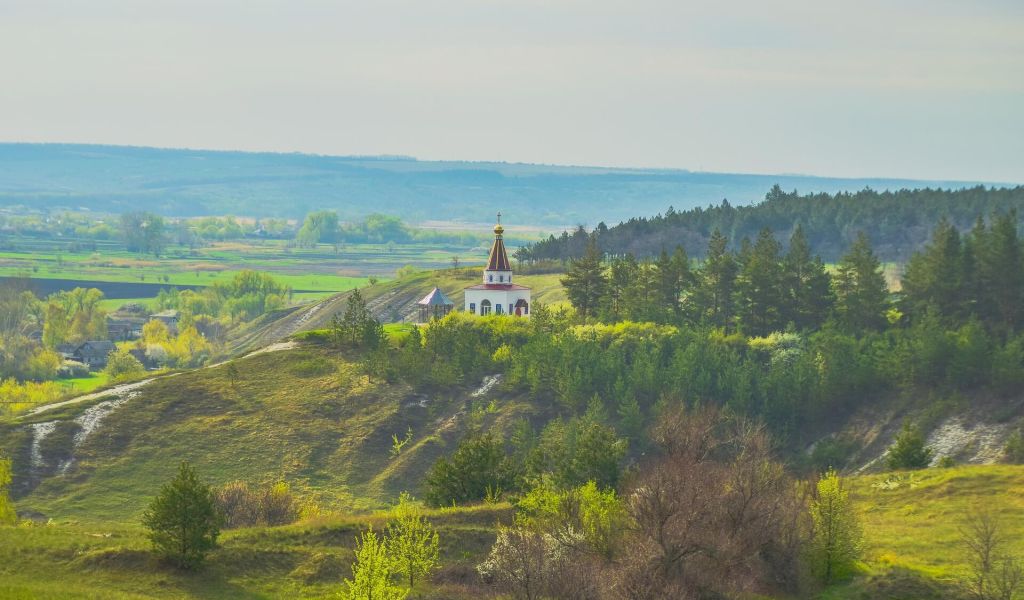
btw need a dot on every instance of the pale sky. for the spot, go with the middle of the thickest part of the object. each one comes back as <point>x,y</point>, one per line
<point>891,88</point>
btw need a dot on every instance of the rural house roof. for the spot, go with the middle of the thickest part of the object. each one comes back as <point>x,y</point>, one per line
<point>436,298</point>
<point>95,348</point>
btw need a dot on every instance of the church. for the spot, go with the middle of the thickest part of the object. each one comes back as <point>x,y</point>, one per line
<point>497,293</point>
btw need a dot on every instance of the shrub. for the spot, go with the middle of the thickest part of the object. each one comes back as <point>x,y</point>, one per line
<point>372,571</point>
<point>243,507</point>
<point>7,514</point>
<point>412,541</point>
<point>836,539</point>
<point>479,465</point>
<point>1013,452</point>
<point>183,520</point>
<point>909,451</point>
<point>123,365</point>
<point>238,505</point>
<point>278,505</point>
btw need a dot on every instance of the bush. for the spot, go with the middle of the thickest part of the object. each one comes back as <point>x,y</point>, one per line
<point>244,507</point>
<point>909,451</point>
<point>1013,452</point>
<point>123,365</point>
<point>183,520</point>
<point>7,514</point>
<point>478,469</point>
<point>71,368</point>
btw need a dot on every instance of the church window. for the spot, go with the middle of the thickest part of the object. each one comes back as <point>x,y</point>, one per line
<point>490,278</point>
<point>485,307</point>
<point>497,309</point>
<point>472,307</point>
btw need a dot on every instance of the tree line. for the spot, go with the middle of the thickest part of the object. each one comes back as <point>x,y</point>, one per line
<point>897,222</point>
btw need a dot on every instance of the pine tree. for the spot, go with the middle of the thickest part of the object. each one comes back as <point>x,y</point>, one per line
<point>357,327</point>
<point>807,287</point>
<point>7,514</point>
<point>1003,277</point>
<point>759,285</point>
<point>183,520</point>
<point>585,281</point>
<point>371,572</point>
<point>717,280</point>
<point>935,276</point>
<point>909,451</point>
<point>412,541</point>
<point>836,540</point>
<point>862,296</point>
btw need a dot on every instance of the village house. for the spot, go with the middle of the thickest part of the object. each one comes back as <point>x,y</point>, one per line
<point>93,353</point>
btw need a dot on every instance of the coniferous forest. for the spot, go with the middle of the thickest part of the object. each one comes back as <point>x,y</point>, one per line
<point>897,222</point>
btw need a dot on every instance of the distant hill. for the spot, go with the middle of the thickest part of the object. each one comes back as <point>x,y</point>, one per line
<point>202,182</point>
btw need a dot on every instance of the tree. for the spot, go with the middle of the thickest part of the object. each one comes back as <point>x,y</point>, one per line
<point>836,540</point>
<point>717,280</point>
<point>412,541</point>
<point>935,276</point>
<point>995,574</point>
<point>144,232</point>
<point>318,227</point>
<point>371,572</point>
<point>122,365</point>
<point>7,514</point>
<point>357,327</point>
<point>585,281</point>
<point>909,451</point>
<point>183,520</point>
<point>862,296</point>
<point>807,288</point>
<point>759,286</point>
<point>477,468</point>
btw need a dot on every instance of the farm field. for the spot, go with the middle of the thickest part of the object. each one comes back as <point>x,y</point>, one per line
<point>312,273</point>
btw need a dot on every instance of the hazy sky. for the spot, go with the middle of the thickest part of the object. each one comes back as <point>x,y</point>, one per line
<point>902,88</point>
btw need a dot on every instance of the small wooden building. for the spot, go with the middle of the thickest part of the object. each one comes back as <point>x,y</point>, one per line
<point>94,353</point>
<point>434,305</point>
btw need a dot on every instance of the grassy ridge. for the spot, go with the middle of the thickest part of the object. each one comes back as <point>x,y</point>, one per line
<point>306,416</point>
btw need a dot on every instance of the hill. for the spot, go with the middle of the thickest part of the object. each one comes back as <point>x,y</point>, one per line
<point>117,179</point>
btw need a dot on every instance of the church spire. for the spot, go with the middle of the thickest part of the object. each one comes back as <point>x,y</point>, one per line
<point>498,259</point>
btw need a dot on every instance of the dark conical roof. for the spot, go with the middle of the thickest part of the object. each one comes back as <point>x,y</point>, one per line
<point>498,260</point>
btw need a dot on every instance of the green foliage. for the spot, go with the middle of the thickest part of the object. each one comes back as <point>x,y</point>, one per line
<point>585,281</point>
<point>241,506</point>
<point>7,514</point>
<point>74,316</point>
<point>412,542</point>
<point>144,232</point>
<point>1013,451</point>
<point>909,450</point>
<point>357,328</point>
<point>318,227</point>
<point>122,365</point>
<point>183,520</point>
<point>598,515</point>
<point>862,296</point>
<point>478,466</point>
<point>836,536</point>
<point>372,571</point>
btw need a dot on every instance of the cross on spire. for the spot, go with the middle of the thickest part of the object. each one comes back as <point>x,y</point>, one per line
<point>499,217</point>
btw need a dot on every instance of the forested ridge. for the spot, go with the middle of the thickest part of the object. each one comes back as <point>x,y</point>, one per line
<point>897,223</point>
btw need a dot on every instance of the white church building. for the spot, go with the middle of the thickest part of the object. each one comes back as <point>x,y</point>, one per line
<point>497,293</point>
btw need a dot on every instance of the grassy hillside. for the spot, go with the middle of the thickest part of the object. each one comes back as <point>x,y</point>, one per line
<point>912,526</point>
<point>911,521</point>
<point>307,560</point>
<point>303,415</point>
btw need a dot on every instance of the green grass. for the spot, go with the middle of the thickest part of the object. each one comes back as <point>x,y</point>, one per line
<point>305,560</point>
<point>84,385</point>
<point>306,416</point>
<point>912,526</point>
